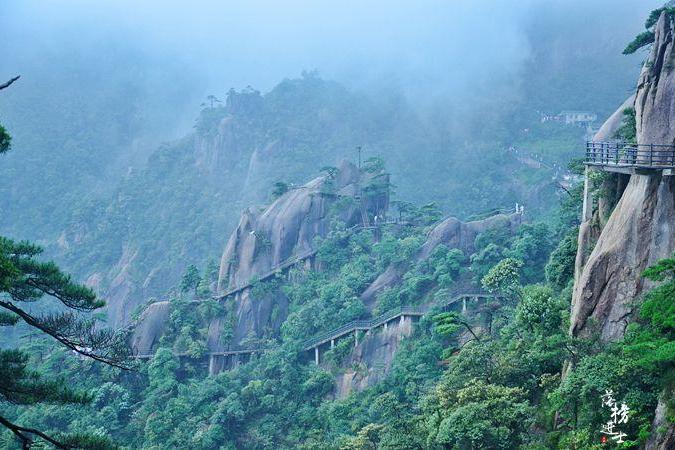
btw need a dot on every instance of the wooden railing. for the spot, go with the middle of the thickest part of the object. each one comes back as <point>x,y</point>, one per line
<point>625,154</point>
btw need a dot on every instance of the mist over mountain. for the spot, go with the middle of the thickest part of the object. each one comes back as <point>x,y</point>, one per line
<point>374,218</point>
<point>444,84</point>
<point>461,66</point>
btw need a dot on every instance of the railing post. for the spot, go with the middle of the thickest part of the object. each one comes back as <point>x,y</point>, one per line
<point>651,154</point>
<point>616,153</point>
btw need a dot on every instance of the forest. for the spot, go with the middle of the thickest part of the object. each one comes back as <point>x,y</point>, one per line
<point>331,262</point>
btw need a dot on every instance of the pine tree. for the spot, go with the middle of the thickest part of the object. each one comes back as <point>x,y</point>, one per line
<point>24,282</point>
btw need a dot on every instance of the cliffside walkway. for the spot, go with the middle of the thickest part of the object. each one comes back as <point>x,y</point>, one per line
<point>628,158</point>
<point>387,317</point>
<point>287,263</point>
<point>367,325</point>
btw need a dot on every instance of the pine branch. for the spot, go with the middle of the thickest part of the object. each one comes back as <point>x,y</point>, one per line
<point>22,386</point>
<point>78,336</point>
<point>8,319</point>
<point>26,441</point>
<point>8,83</point>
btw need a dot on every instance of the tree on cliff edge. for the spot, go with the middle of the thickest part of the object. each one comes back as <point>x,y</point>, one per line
<point>24,281</point>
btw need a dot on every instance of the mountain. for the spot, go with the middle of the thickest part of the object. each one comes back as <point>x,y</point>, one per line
<point>614,253</point>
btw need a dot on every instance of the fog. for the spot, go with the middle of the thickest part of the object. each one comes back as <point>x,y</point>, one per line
<point>179,51</point>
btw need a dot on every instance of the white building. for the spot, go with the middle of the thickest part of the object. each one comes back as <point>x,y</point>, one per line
<point>577,117</point>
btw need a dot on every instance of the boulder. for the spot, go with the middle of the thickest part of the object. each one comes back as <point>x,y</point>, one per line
<point>150,328</point>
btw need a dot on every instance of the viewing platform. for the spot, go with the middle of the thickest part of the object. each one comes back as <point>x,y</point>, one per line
<point>629,158</point>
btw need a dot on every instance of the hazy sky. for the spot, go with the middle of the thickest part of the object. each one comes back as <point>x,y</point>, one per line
<point>193,48</point>
<point>258,42</point>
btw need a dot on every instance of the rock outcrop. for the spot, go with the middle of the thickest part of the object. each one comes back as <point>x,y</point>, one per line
<point>451,232</point>
<point>268,241</point>
<point>614,122</point>
<point>640,231</point>
<point>663,431</point>
<point>641,228</point>
<point>372,358</point>
<point>265,241</point>
<point>149,328</point>
<point>655,97</point>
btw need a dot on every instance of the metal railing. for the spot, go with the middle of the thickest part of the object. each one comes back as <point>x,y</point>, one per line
<point>492,212</point>
<point>362,324</point>
<point>461,291</point>
<point>236,350</point>
<point>626,154</point>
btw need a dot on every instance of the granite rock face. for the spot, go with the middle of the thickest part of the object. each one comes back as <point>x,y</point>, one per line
<point>285,232</point>
<point>655,98</point>
<point>149,328</point>
<point>451,232</point>
<point>639,232</point>
<point>265,243</point>
<point>372,358</point>
<point>641,228</point>
<point>663,431</point>
<point>614,122</point>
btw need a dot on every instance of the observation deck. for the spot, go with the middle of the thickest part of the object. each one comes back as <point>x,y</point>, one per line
<point>629,158</point>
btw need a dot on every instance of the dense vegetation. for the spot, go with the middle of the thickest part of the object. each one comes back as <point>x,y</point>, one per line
<point>501,389</point>
<point>502,374</point>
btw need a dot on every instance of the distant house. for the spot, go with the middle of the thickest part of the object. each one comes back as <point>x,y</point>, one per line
<point>577,117</point>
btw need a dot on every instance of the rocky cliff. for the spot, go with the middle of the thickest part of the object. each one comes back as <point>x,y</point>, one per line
<point>451,232</point>
<point>641,228</point>
<point>269,241</point>
<point>374,355</point>
<point>172,212</point>
<point>283,235</point>
<point>285,232</point>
